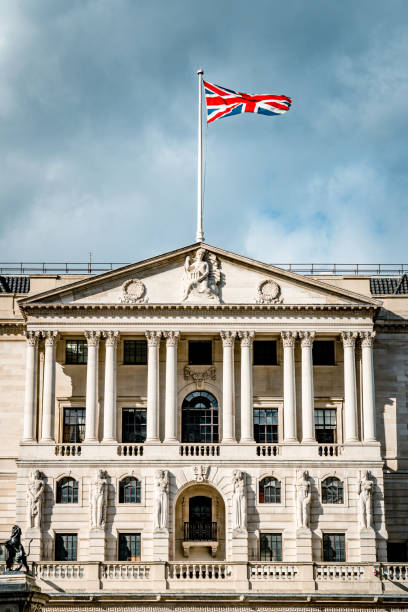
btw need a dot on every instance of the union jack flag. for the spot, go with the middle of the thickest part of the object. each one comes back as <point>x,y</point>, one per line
<point>222,102</point>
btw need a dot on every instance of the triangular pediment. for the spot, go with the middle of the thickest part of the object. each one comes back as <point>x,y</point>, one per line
<point>199,274</point>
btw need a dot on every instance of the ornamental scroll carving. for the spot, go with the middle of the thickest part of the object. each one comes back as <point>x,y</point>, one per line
<point>268,292</point>
<point>133,292</point>
<point>201,473</point>
<point>199,377</point>
<point>202,277</point>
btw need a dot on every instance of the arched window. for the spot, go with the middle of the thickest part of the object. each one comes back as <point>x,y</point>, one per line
<point>67,491</point>
<point>200,418</point>
<point>332,491</point>
<point>269,491</point>
<point>129,491</point>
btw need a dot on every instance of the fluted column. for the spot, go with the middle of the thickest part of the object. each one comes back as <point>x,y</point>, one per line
<point>350,393</point>
<point>289,389</point>
<point>367,341</point>
<point>91,429</point>
<point>51,338</point>
<point>30,385</point>
<point>172,339</point>
<point>109,402</point>
<point>247,427</point>
<point>152,425</point>
<point>228,338</point>
<point>308,432</point>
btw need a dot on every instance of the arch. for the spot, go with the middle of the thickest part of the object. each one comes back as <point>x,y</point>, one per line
<point>67,490</point>
<point>130,490</point>
<point>200,418</point>
<point>332,490</point>
<point>269,490</point>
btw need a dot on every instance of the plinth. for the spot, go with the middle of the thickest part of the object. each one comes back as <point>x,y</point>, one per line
<point>96,551</point>
<point>161,544</point>
<point>239,545</point>
<point>19,592</point>
<point>368,552</point>
<point>32,539</point>
<point>304,545</point>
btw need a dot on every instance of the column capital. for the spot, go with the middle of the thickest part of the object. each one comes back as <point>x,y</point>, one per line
<point>172,337</point>
<point>289,338</point>
<point>367,338</point>
<point>307,338</point>
<point>50,337</point>
<point>92,337</point>
<point>32,337</point>
<point>111,336</point>
<point>153,338</point>
<point>247,338</point>
<point>349,339</point>
<point>228,337</point>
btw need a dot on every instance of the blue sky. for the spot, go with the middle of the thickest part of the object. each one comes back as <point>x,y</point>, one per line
<point>98,104</point>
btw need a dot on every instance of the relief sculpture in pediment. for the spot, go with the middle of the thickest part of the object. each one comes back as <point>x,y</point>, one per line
<point>202,277</point>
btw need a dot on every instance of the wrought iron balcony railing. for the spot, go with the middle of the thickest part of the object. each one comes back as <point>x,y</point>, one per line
<point>200,532</point>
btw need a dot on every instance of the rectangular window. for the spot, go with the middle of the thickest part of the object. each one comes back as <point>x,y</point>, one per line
<point>66,546</point>
<point>265,352</point>
<point>397,552</point>
<point>326,425</point>
<point>135,352</point>
<point>323,352</point>
<point>74,425</point>
<point>133,425</point>
<point>266,425</point>
<point>271,547</point>
<point>334,547</point>
<point>129,547</point>
<point>200,352</point>
<point>76,351</point>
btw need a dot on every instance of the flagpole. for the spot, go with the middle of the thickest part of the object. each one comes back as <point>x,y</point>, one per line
<point>200,234</point>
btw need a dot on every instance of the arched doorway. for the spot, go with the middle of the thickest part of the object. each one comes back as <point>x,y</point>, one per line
<point>199,418</point>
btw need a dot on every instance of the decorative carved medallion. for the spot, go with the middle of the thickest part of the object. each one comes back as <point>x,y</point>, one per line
<point>268,292</point>
<point>199,376</point>
<point>202,278</point>
<point>201,472</point>
<point>133,291</point>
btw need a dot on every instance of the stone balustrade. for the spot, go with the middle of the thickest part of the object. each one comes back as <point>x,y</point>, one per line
<point>130,450</point>
<point>272,571</point>
<point>125,571</point>
<point>68,450</point>
<point>329,450</point>
<point>199,450</point>
<point>268,450</point>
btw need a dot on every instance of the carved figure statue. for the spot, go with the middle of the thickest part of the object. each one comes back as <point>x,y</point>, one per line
<point>239,502</point>
<point>15,552</point>
<point>98,499</point>
<point>303,499</point>
<point>365,491</point>
<point>35,493</point>
<point>161,500</point>
<point>202,275</point>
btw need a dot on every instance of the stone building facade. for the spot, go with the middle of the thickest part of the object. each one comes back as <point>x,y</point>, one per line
<point>202,427</point>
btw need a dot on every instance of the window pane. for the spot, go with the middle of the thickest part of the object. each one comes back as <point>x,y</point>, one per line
<point>265,352</point>
<point>200,352</point>
<point>134,425</point>
<point>67,491</point>
<point>397,552</point>
<point>76,351</point>
<point>135,352</point>
<point>74,425</point>
<point>271,547</point>
<point>66,547</point>
<point>325,425</point>
<point>334,547</point>
<point>265,425</point>
<point>269,491</point>
<point>129,547</point>
<point>200,418</point>
<point>323,352</point>
<point>129,491</point>
<point>332,491</point>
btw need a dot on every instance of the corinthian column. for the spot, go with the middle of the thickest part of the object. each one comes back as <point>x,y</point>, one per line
<point>172,339</point>
<point>308,433</point>
<point>350,394</point>
<point>289,394</point>
<point>109,402</point>
<point>247,429</point>
<point>30,385</point>
<point>367,341</point>
<point>152,425</point>
<point>92,338</point>
<point>228,338</point>
<point>49,386</point>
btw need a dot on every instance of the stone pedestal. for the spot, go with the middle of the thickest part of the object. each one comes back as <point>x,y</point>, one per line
<point>96,550</point>
<point>160,545</point>
<point>304,545</point>
<point>239,545</point>
<point>19,592</point>
<point>32,542</point>
<point>368,553</point>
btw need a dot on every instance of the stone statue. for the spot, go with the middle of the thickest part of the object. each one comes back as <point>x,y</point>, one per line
<point>303,499</point>
<point>35,493</point>
<point>15,552</point>
<point>161,500</point>
<point>239,507</point>
<point>365,491</point>
<point>202,276</point>
<point>98,499</point>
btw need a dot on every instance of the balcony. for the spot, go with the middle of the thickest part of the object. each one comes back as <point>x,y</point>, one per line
<point>200,534</point>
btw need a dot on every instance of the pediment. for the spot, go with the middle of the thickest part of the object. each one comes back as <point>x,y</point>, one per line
<point>199,274</point>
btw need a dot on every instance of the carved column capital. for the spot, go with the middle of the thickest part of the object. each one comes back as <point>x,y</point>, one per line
<point>33,337</point>
<point>228,337</point>
<point>50,337</point>
<point>153,338</point>
<point>349,339</point>
<point>112,337</point>
<point>92,337</point>
<point>247,338</point>
<point>367,339</point>
<point>307,338</point>
<point>289,338</point>
<point>172,337</point>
